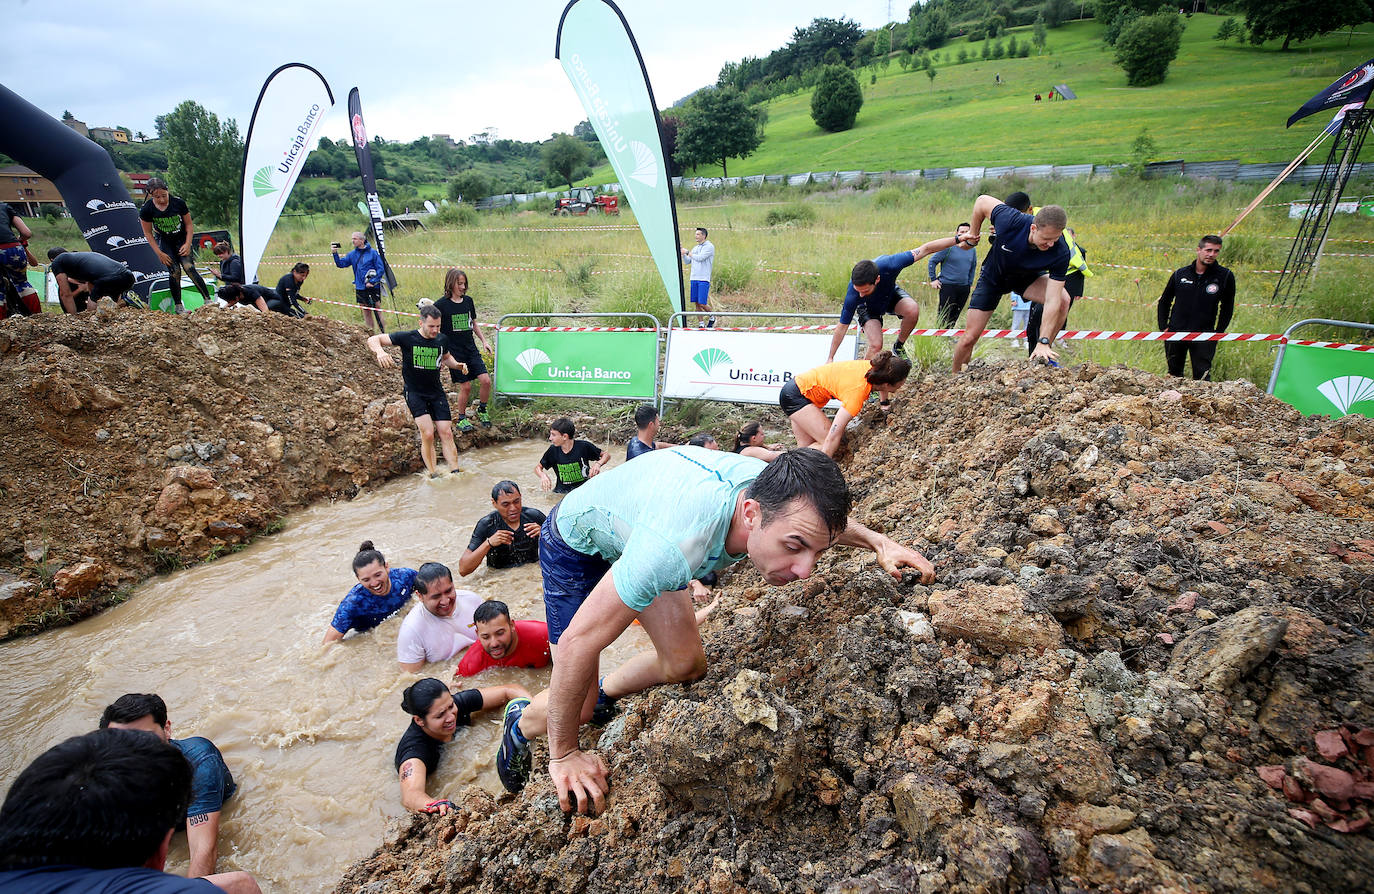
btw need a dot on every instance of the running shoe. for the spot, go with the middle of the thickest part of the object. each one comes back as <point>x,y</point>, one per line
<point>513,757</point>
<point>710,322</point>
<point>465,425</point>
<point>484,417</point>
<point>899,350</point>
<point>604,709</point>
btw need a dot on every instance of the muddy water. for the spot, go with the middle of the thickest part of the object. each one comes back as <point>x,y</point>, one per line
<point>308,731</point>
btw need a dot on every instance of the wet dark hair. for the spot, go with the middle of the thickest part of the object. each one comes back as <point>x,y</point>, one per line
<point>419,696</point>
<point>887,369</point>
<point>1018,200</point>
<point>504,487</point>
<point>701,439</point>
<point>301,267</point>
<point>1209,240</point>
<point>430,311</point>
<point>644,414</point>
<point>564,426</point>
<point>231,292</point>
<point>746,431</point>
<point>128,708</point>
<point>103,800</point>
<point>428,574</point>
<point>865,273</point>
<point>964,224</point>
<point>54,252</point>
<point>153,184</point>
<point>221,248</point>
<point>490,611</point>
<point>805,474</point>
<point>367,554</point>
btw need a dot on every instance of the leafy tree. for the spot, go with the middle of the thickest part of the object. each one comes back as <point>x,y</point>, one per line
<point>668,128</point>
<point>1147,46</point>
<point>998,50</point>
<point>563,156</point>
<point>1038,34</point>
<point>930,75</point>
<point>67,115</point>
<point>837,99</point>
<point>832,57</point>
<point>809,44</point>
<point>987,49</point>
<point>1300,19</point>
<point>1117,14</point>
<point>204,160</point>
<point>1229,29</point>
<point>963,55</point>
<point>584,131</point>
<point>1057,12</point>
<point>994,25</point>
<point>1013,48</point>
<point>717,125</point>
<point>140,136</point>
<point>882,47</point>
<point>470,185</point>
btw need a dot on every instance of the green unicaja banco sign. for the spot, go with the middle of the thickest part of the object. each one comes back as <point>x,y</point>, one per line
<point>577,364</point>
<point>1326,382</point>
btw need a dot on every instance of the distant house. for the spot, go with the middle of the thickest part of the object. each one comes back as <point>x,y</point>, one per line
<point>109,135</point>
<point>26,190</point>
<point>76,125</point>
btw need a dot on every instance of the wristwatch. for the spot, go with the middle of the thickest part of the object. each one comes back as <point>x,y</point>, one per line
<point>1044,341</point>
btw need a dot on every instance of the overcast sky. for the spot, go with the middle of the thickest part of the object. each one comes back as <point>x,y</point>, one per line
<point>421,66</point>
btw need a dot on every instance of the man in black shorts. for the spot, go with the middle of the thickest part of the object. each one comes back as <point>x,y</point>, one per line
<point>1030,258</point>
<point>423,352</point>
<point>460,326</point>
<point>84,277</point>
<point>507,536</point>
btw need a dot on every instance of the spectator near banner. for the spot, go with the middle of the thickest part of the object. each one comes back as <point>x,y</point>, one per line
<point>1199,297</point>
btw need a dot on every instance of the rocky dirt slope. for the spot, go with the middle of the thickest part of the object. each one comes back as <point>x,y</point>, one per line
<point>136,442</point>
<point>1145,666</point>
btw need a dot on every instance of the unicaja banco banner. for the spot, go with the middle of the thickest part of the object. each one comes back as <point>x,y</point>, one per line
<point>1326,381</point>
<point>741,367</point>
<point>577,364</point>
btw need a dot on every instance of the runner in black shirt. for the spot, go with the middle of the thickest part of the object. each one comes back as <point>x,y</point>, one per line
<point>460,325</point>
<point>506,537</point>
<point>250,295</point>
<point>289,288</point>
<point>574,461</point>
<point>423,352</point>
<point>167,224</point>
<point>84,277</point>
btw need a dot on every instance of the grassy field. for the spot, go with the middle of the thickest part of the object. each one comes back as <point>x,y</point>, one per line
<point>1219,102</point>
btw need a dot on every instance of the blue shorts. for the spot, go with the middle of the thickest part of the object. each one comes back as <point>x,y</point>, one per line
<point>700,289</point>
<point>569,576</point>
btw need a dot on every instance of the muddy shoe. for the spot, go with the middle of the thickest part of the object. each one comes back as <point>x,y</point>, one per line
<point>513,757</point>
<point>603,712</point>
<point>484,417</point>
<point>465,425</point>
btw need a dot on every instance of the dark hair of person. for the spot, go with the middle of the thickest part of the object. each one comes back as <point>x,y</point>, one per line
<point>805,474</point>
<point>504,487</point>
<point>301,267</point>
<point>644,414</point>
<point>231,293</point>
<point>154,184</point>
<point>420,695</point>
<point>701,439</point>
<point>1018,200</point>
<point>55,251</point>
<point>128,708</point>
<point>564,426</point>
<point>429,311</point>
<point>704,233</point>
<point>103,800</point>
<point>887,369</point>
<point>428,573</point>
<point>865,273</point>
<point>221,248</point>
<point>746,431</point>
<point>964,224</point>
<point>451,280</point>
<point>1209,239</point>
<point>490,611</point>
<point>367,554</point>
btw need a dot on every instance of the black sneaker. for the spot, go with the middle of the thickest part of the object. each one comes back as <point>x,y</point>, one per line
<point>899,350</point>
<point>513,757</point>
<point>710,322</point>
<point>603,712</point>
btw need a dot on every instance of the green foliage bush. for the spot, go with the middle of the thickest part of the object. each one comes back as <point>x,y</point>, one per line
<point>794,215</point>
<point>1146,47</point>
<point>837,99</point>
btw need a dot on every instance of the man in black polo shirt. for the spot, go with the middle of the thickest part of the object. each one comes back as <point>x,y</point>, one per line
<point>507,536</point>
<point>84,277</point>
<point>1030,258</point>
<point>1199,297</point>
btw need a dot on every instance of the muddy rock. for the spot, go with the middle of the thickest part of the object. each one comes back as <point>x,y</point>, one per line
<point>78,580</point>
<point>1219,655</point>
<point>995,618</point>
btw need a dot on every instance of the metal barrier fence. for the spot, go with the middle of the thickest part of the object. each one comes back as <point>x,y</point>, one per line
<point>1314,378</point>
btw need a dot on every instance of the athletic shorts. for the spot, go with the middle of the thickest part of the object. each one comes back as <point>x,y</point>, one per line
<point>468,354</point>
<point>112,286</point>
<point>864,314</point>
<point>569,576</point>
<point>701,288</point>
<point>371,297</point>
<point>991,287</point>
<point>433,404</point>
<point>791,399</point>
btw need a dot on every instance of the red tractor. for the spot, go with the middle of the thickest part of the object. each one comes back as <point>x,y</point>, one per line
<point>584,200</point>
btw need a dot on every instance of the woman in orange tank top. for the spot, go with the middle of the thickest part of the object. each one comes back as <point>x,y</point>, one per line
<point>849,382</point>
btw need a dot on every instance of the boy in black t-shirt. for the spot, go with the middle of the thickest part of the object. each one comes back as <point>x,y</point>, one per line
<point>574,461</point>
<point>423,352</point>
<point>507,536</point>
<point>167,225</point>
<point>460,325</point>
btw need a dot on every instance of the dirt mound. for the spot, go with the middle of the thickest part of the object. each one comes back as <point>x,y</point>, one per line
<point>136,442</point>
<point>1145,596</point>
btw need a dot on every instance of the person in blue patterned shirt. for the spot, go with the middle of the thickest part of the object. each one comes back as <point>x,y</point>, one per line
<point>380,592</point>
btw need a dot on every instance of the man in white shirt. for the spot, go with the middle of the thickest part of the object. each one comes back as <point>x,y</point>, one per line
<point>440,626</point>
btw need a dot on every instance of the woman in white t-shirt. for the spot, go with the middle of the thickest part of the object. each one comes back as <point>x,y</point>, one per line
<point>440,625</point>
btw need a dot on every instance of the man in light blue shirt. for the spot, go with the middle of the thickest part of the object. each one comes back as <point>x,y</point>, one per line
<point>954,279</point>
<point>625,546</point>
<point>703,256</point>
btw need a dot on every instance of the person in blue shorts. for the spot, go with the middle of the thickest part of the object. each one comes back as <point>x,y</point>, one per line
<point>873,292</point>
<point>702,257</point>
<point>211,782</point>
<point>97,813</point>
<point>1031,258</point>
<point>380,592</point>
<point>616,551</point>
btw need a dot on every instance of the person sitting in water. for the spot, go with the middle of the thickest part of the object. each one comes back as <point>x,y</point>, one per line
<point>440,626</point>
<point>379,593</point>
<point>507,536</point>
<point>437,713</point>
<point>646,430</point>
<point>574,461</point>
<point>703,439</point>
<point>749,441</point>
<point>502,642</point>
<point>849,382</point>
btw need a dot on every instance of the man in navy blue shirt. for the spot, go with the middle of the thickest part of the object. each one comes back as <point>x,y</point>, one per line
<point>873,292</point>
<point>954,279</point>
<point>1030,258</point>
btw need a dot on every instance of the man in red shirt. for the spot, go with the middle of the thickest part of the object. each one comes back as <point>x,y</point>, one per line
<point>503,643</point>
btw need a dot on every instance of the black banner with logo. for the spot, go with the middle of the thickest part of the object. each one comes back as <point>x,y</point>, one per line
<point>1353,86</point>
<point>374,205</point>
<point>88,182</point>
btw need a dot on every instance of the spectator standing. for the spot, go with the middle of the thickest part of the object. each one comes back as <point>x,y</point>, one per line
<point>1199,297</point>
<point>954,279</point>
<point>702,257</point>
<point>167,224</point>
<point>368,273</point>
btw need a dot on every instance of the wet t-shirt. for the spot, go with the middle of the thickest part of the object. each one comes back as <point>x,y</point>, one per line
<point>211,782</point>
<point>843,381</point>
<point>166,224</point>
<point>532,650</point>
<point>522,549</point>
<point>85,266</point>
<point>362,609</point>
<point>572,468</point>
<point>459,318</point>
<point>420,358</point>
<point>415,742</point>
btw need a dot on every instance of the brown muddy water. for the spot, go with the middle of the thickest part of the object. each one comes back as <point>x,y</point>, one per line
<point>308,731</point>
